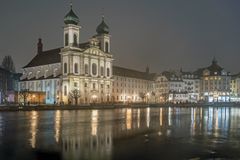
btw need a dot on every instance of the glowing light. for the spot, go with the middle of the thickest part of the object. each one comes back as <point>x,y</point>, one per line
<point>33,129</point>
<point>160,117</point>
<point>129,119</point>
<point>148,117</point>
<point>138,117</point>
<point>169,116</point>
<point>94,122</point>
<point>57,125</point>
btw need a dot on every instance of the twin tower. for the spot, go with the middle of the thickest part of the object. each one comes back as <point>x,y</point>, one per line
<point>72,32</point>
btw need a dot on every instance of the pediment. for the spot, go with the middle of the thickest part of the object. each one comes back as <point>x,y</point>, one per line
<point>94,51</point>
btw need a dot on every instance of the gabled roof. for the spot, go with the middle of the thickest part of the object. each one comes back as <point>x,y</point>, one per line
<point>45,58</point>
<point>124,72</point>
<point>51,56</point>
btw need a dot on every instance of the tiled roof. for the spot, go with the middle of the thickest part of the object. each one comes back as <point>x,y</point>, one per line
<point>124,72</point>
<point>50,56</point>
<point>44,58</point>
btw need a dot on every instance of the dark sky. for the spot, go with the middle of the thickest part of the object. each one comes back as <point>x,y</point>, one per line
<point>164,34</point>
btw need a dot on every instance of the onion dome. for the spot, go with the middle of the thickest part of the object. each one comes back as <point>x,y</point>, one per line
<point>71,18</point>
<point>103,27</point>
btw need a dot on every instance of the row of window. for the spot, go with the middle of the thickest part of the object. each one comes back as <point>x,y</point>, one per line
<point>86,69</point>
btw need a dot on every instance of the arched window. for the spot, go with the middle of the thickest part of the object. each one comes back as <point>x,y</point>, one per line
<point>108,72</point>
<point>76,68</point>
<point>66,39</point>
<point>65,68</point>
<point>86,68</point>
<point>75,40</point>
<point>94,69</point>
<point>65,90</point>
<point>106,47</point>
<point>102,71</point>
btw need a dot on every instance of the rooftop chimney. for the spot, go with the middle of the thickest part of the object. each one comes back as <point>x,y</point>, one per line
<point>40,46</point>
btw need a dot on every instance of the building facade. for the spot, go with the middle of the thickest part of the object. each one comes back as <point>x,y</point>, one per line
<point>215,83</point>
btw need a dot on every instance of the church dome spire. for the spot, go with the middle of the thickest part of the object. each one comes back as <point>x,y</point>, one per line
<point>71,17</point>
<point>102,28</point>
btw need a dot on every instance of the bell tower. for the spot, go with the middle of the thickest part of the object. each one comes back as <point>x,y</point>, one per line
<point>71,29</point>
<point>103,36</point>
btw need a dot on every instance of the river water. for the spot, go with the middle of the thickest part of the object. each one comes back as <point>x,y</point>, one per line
<point>121,134</point>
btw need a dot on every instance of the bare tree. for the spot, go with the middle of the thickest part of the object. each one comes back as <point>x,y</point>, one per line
<point>74,95</point>
<point>23,95</point>
<point>142,95</point>
<point>8,64</point>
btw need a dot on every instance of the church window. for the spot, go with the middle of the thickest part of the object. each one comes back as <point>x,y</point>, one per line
<point>76,68</point>
<point>65,90</point>
<point>66,39</point>
<point>102,71</point>
<point>106,47</point>
<point>86,68</point>
<point>94,69</point>
<point>94,86</point>
<point>75,84</point>
<point>75,40</point>
<point>108,72</point>
<point>65,67</point>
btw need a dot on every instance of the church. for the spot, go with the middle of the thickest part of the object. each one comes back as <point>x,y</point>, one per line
<point>52,75</point>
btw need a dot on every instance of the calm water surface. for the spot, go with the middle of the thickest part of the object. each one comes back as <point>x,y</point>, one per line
<point>121,134</point>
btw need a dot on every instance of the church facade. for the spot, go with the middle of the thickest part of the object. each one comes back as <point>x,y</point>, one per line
<point>54,76</point>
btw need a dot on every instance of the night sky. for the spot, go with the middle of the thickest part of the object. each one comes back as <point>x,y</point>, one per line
<point>164,34</point>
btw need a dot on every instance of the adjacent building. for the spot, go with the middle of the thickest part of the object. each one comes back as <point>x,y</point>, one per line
<point>215,83</point>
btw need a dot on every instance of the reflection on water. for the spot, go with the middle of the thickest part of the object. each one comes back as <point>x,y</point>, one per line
<point>33,128</point>
<point>106,134</point>
<point>57,125</point>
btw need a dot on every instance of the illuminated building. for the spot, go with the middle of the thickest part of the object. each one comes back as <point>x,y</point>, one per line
<point>129,84</point>
<point>86,67</point>
<point>215,83</point>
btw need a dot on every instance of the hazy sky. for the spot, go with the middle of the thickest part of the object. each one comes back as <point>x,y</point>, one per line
<point>164,34</point>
